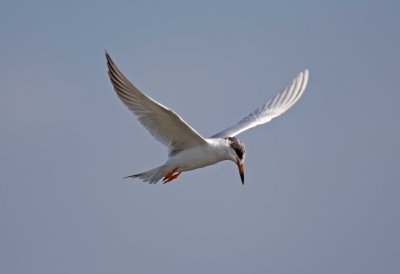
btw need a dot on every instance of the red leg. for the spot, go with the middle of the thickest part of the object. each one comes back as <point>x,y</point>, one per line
<point>173,177</point>
<point>170,176</point>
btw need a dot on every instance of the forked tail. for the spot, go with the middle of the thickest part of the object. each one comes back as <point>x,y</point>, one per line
<point>152,176</point>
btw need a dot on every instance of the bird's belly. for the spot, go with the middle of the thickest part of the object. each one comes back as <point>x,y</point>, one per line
<point>194,158</point>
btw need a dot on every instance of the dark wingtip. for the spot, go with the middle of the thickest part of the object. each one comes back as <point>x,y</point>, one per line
<point>107,56</point>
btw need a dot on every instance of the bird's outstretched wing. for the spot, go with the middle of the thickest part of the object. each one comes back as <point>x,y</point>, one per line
<point>164,124</point>
<point>271,109</point>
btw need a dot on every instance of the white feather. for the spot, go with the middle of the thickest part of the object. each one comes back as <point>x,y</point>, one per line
<point>164,124</point>
<point>271,109</point>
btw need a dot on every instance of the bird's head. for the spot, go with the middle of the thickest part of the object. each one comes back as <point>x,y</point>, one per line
<point>237,154</point>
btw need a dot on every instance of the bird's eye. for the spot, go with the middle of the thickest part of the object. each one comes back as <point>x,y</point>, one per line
<point>239,153</point>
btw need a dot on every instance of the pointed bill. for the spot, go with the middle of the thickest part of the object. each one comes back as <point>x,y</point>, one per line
<point>241,170</point>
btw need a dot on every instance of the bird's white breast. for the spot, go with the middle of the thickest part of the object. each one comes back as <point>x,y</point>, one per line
<point>211,153</point>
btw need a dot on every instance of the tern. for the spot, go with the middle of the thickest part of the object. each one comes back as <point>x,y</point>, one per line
<point>187,149</point>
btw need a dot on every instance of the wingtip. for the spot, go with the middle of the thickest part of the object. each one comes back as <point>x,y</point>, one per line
<point>303,76</point>
<point>306,76</point>
<point>109,60</point>
<point>108,57</point>
<point>306,72</point>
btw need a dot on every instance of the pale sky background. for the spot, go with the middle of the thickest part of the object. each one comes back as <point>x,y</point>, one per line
<point>322,181</point>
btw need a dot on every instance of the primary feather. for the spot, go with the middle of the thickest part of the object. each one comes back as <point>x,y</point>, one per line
<point>164,124</point>
<point>271,109</point>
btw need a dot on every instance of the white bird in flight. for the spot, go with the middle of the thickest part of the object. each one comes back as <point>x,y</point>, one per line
<point>188,150</point>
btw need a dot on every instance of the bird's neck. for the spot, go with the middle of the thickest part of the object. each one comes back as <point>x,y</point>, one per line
<point>221,147</point>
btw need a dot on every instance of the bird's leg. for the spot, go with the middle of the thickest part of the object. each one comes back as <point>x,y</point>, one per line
<point>169,174</point>
<point>171,178</point>
<point>172,175</point>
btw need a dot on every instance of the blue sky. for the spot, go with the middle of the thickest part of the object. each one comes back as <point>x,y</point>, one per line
<point>322,185</point>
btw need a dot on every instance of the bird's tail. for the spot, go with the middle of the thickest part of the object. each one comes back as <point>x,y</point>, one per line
<point>152,176</point>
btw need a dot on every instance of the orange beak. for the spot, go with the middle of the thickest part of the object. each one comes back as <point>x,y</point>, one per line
<point>241,170</point>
